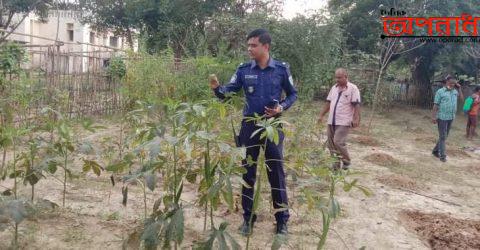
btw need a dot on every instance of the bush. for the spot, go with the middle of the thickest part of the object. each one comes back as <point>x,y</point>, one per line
<point>151,78</point>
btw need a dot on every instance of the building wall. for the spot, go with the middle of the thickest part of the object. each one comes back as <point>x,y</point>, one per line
<point>32,25</point>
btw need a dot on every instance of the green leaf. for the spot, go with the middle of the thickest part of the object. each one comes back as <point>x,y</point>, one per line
<point>92,165</point>
<point>175,229</point>
<point>205,135</point>
<point>16,210</point>
<point>222,242</point>
<point>178,193</point>
<point>157,204</point>
<point>150,233</point>
<point>233,243</point>
<point>151,181</point>
<point>245,184</point>
<point>256,132</point>
<point>278,241</point>
<point>52,166</point>
<point>276,137</point>
<point>228,193</point>
<point>15,174</point>
<point>364,190</point>
<point>270,133</point>
<point>32,176</point>
<point>192,176</point>
<point>70,147</point>
<point>118,167</point>
<point>86,148</point>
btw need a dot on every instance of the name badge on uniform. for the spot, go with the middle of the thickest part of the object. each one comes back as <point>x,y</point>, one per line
<point>251,76</point>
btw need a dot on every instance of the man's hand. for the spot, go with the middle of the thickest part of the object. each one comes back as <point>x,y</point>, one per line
<point>457,85</point>
<point>434,120</point>
<point>320,119</point>
<point>356,122</point>
<point>273,112</point>
<point>213,81</point>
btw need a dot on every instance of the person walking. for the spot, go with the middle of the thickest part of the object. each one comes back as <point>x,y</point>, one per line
<point>443,113</point>
<point>343,106</point>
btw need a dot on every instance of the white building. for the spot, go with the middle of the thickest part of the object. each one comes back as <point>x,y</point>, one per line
<point>75,39</point>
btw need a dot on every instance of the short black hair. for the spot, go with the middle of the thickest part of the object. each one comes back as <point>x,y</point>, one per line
<point>477,88</point>
<point>262,34</point>
<point>450,77</point>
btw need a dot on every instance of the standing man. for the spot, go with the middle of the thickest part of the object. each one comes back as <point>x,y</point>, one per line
<point>343,103</point>
<point>473,114</point>
<point>262,79</point>
<point>444,110</point>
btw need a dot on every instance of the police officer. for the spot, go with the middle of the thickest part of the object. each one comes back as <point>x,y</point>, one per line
<point>262,79</point>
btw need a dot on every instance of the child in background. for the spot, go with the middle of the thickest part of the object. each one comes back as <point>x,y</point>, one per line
<point>473,114</point>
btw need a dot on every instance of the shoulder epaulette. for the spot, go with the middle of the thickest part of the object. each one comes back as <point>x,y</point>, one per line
<point>282,64</point>
<point>244,64</point>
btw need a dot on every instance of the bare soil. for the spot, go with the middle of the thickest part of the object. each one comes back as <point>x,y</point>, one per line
<point>442,231</point>
<point>94,217</point>
<point>382,159</point>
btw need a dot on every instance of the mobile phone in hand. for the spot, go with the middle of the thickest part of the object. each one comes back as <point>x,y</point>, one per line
<point>273,104</point>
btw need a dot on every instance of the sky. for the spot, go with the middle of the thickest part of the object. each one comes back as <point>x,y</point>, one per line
<point>293,7</point>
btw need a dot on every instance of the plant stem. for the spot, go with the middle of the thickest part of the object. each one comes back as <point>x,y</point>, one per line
<point>144,199</point>
<point>16,236</point>
<point>120,143</point>
<point>32,159</point>
<point>174,158</point>
<point>256,195</point>
<point>211,216</point>
<point>65,176</point>
<point>206,169</point>
<point>205,217</point>
<point>4,157</point>
<point>14,170</point>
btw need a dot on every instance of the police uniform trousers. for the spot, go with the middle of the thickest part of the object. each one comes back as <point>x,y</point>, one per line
<point>275,171</point>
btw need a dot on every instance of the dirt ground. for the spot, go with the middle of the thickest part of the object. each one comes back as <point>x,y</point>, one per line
<point>418,202</point>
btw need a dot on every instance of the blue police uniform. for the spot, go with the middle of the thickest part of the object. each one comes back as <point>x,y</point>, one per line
<point>261,87</point>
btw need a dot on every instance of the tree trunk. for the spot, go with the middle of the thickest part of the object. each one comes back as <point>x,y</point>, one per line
<point>177,54</point>
<point>421,78</point>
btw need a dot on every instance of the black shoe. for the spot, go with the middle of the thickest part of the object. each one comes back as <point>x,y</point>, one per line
<point>443,159</point>
<point>435,154</point>
<point>346,166</point>
<point>282,229</point>
<point>245,229</point>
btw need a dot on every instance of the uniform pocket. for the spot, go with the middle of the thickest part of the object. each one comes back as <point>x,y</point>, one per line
<point>252,86</point>
<point>276,85</point>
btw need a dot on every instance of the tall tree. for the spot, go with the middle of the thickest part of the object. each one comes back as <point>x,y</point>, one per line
<point>118,16</point>
<point>361,21</point>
